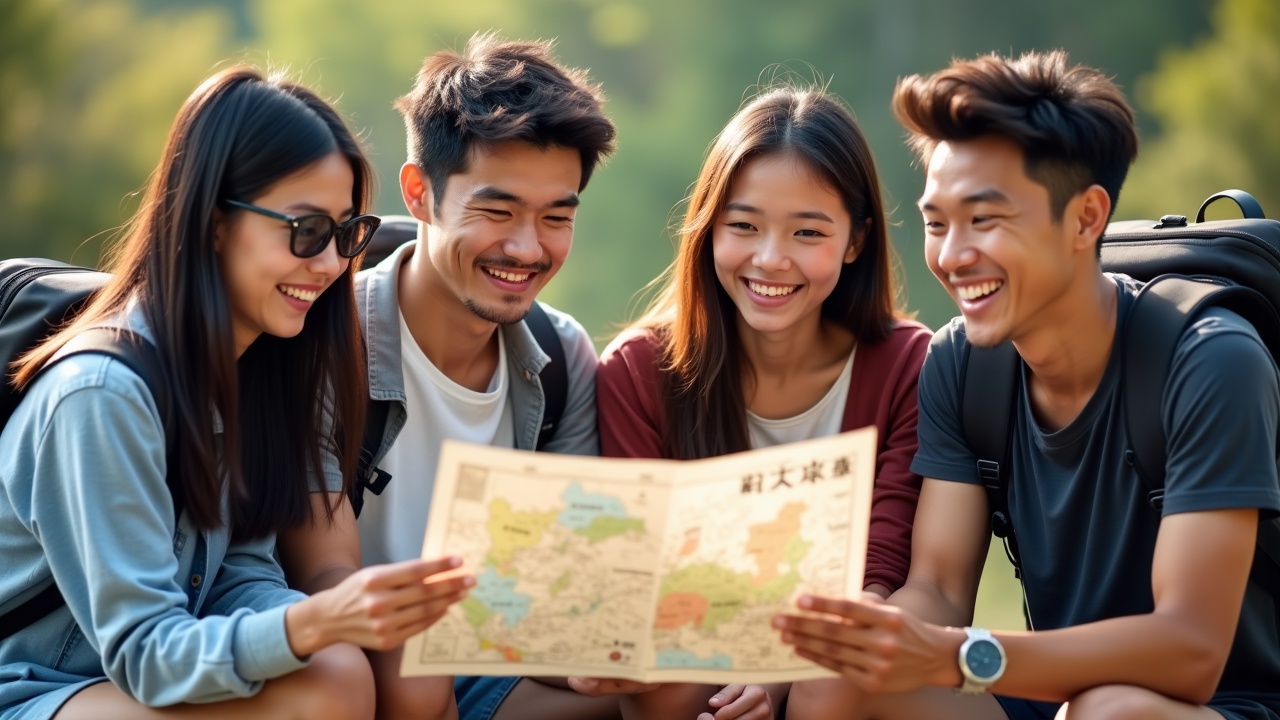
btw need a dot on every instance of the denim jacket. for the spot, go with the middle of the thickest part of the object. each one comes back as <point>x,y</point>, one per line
<point>166,612</point>
<point>377,301</point>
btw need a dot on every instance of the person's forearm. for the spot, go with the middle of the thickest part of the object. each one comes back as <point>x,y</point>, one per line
<point>326,578</point>
<point>1161,653</point>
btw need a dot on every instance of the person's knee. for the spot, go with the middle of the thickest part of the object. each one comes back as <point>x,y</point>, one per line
<point>1115,702</point>
<point>832,698</point>
<point>339,685</point>
<point>429,698</point>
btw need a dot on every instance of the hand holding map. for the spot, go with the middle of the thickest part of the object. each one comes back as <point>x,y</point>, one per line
<point>649,570</point>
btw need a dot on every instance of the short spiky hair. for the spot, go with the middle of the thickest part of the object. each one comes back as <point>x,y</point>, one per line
<point>1073,124</point>
<point>500,90</point>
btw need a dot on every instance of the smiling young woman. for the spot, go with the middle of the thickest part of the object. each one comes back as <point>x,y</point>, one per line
<point>237,269</point>
<point>778,322</point>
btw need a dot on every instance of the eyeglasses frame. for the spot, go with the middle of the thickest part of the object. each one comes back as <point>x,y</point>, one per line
<point>295,222</point>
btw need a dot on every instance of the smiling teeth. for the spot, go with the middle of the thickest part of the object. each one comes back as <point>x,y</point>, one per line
<point>973,292</point>
<point>304,295</point>
<point>771,290</point>
<point>508,276</point>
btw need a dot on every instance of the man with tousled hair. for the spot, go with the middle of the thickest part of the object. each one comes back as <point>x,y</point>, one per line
<point>1137,614</point>
<point>501,141</point>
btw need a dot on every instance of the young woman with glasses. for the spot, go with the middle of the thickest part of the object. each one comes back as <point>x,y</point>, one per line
<point>237,268</point>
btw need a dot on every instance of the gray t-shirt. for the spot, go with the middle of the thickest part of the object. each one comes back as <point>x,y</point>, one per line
<point>1086,532</point>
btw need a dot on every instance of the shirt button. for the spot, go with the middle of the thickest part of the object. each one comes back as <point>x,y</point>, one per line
<point>195,580</point>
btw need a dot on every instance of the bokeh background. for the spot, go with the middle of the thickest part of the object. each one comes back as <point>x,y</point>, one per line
<point>89,87</point>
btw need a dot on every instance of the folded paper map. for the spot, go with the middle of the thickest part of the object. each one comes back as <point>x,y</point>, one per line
<point>651,570</point>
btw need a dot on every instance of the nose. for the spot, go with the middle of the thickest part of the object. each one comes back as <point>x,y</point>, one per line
<point>328,263</point>
<point>523,245</point>
<point>771,254</point>
<point>954,250</point>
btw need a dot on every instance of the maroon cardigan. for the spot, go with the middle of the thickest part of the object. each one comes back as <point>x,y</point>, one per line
<point>882,392</point>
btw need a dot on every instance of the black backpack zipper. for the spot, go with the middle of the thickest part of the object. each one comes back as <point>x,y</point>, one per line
<point>1196,234</point>
<point>22,278</point>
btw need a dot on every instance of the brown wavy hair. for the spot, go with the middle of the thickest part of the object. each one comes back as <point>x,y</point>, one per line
<point>498,90</point>
<point>692,315</point>
<point>235,136</point>
<point>1072,123</point>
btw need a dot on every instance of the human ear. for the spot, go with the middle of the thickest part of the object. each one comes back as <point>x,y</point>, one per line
<point>415,188</point>
<point>857,239</point>
<point>1089,212</point>
<point>220,229</point>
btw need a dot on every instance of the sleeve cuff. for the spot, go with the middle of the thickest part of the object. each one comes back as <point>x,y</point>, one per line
<point>941,470</point>
<point>262,649</point>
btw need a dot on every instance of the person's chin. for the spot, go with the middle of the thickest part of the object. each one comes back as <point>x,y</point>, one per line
<point>505,313</point>
<point>984,335</point>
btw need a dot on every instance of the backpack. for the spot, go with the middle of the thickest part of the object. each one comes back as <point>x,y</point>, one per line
<point>394,231</point>
<point>36,297</point>
<point>1233,264</point>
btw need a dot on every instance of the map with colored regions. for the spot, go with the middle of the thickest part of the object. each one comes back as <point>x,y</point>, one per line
<point>651,570</point>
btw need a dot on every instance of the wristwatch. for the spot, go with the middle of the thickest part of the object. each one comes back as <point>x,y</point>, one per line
<point>982,661</point>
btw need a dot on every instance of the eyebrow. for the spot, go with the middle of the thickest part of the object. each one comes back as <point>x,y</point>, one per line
<point>489,192</point>
<point>304,208</point>
<point>988,195</point>
<point>804,215</point>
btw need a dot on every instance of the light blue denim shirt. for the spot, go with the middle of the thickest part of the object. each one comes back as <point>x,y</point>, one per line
<point>377,301</point>
<point>167,613</point>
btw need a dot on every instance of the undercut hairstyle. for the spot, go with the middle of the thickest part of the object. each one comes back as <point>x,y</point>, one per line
<point>498,90</point>
<point>693,317</point>
<point>1073,124</point>
<point>284,400</point>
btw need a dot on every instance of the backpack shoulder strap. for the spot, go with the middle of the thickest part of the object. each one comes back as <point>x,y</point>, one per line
<point>555,387</point>
<point>1266,558</point>
<point>1160,314</point>
<point>130,348</point>
<point>368,477</point>
<point>139,355</point>
<point>142,357</point>
<point>554,375</point>
<point>986,411</point>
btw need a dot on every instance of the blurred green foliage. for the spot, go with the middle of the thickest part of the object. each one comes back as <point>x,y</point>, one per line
<point>1216,103</point>
<point>88,88</point>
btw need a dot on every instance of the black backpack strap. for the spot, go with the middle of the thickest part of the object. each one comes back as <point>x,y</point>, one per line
<point>1266,558</point>
<point>986,411</point>
<point>36,607</point>
<point>368,477</point>
<point>555,388</point>
<point>1160,314</point>
<point>141,357</point>
<point>554,375</point>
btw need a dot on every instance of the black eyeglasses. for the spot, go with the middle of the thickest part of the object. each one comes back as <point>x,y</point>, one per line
<point>310,234</point>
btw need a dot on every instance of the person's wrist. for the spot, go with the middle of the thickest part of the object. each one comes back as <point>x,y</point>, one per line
<point>947,673</point>
<point>304,628</point>
<point>981,660</point>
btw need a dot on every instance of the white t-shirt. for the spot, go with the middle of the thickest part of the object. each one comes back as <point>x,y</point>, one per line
<point>393,524</point>
<point>821,420</point>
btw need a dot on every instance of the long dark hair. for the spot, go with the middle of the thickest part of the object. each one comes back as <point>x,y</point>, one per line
<point>287,399</point>
<point>693,316</point>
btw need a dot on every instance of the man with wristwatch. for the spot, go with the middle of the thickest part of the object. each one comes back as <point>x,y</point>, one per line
<point>1136,614</point>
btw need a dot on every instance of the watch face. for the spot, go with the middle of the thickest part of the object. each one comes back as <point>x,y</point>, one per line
<point>983,659</point>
